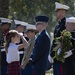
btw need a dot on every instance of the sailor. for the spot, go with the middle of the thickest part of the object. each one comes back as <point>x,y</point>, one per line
<point>61,12</point>
<point>4,26</point>
<point>68,65</point>
<point>21,27</point>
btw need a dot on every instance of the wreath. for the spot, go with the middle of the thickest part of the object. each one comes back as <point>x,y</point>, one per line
<point>66,44</point>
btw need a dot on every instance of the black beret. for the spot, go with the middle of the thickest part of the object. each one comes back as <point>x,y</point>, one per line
<point>41,18</point>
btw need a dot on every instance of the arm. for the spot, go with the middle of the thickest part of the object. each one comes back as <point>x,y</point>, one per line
<point>52,53</point>
<point>27,53</point>
<point>24,44</point>
<point>23,62</point>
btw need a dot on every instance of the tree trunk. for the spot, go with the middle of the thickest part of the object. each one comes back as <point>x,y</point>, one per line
<point>4,8</point>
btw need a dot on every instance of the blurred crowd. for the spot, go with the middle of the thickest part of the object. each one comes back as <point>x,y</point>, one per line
<point>27,49</point>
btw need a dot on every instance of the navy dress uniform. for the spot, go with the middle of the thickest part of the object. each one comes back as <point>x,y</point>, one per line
<point>69,64</point>
<point>31,32</point>
<point>41,49</point>
<point>57,32</point>
<point>21,51</point>
<point>57,65</point>
<point>7,23</point>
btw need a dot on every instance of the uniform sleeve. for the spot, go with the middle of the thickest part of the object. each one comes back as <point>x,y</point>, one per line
<point>52,53</point>
<point>73,50</point>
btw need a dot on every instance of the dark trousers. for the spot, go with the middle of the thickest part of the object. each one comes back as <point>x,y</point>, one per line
<point>68,69</point>
<point>57,69</point>
<point>38,72</point>
<point>22,71</point>
<point>3,69</point>
<point>27,70</point>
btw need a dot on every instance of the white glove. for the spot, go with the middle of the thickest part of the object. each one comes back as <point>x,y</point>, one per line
<point>59,50</point>
<point>20,34</point>
<point>68,54</point>
<point>50,59</point>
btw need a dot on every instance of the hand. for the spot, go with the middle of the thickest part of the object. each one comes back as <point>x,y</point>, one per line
<point>30,62</point>
<point>68,54</point>
<point>59,51</point>
<point>22,66</point>
<point>20,34</point>
<point>50,59</point>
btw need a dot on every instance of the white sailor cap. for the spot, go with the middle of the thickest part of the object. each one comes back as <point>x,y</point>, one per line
<point>5,20</point>
<point>20,22</point>
<point>70,20</point>
<point>31,27</point>
<point>61,6</point>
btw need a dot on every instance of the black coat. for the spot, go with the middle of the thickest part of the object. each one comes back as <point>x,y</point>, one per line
<point>71,59</point>
<point>41,51</point>
<point>69,64</point>
<point>57,33</point>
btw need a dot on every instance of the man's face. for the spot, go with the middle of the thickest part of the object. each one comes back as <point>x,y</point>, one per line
<point>39,25</point>
<point>60,13</point>
<point>70,26</point>
<point>31,34</point>
<point>21,28</point>
<point>5,26</point>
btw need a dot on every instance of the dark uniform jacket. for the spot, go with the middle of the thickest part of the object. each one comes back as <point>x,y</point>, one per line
<point>69,64</point>
<point>71,59</point>
<point>3,53</point>
<point>73,43</point>
<point>41,51</point>
<point>57,33</point>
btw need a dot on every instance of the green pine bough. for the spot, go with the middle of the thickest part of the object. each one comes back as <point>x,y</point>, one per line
<point>66,44</point>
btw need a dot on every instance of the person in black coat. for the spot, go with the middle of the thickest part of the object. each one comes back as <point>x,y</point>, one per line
<point>61,11</point>
<point>41,48</point>
<point>4,26</point>
<point>68,66</point>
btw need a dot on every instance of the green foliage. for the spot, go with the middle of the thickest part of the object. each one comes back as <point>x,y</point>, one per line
<point>26,10</point>
<point>4,8</point>
<point>66,44</point>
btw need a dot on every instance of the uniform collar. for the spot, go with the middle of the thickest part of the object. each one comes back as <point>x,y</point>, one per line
<point>63,19</point>
<point>41,32</point>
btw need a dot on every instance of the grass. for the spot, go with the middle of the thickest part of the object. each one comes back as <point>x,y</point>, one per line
<point>49,72</point>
